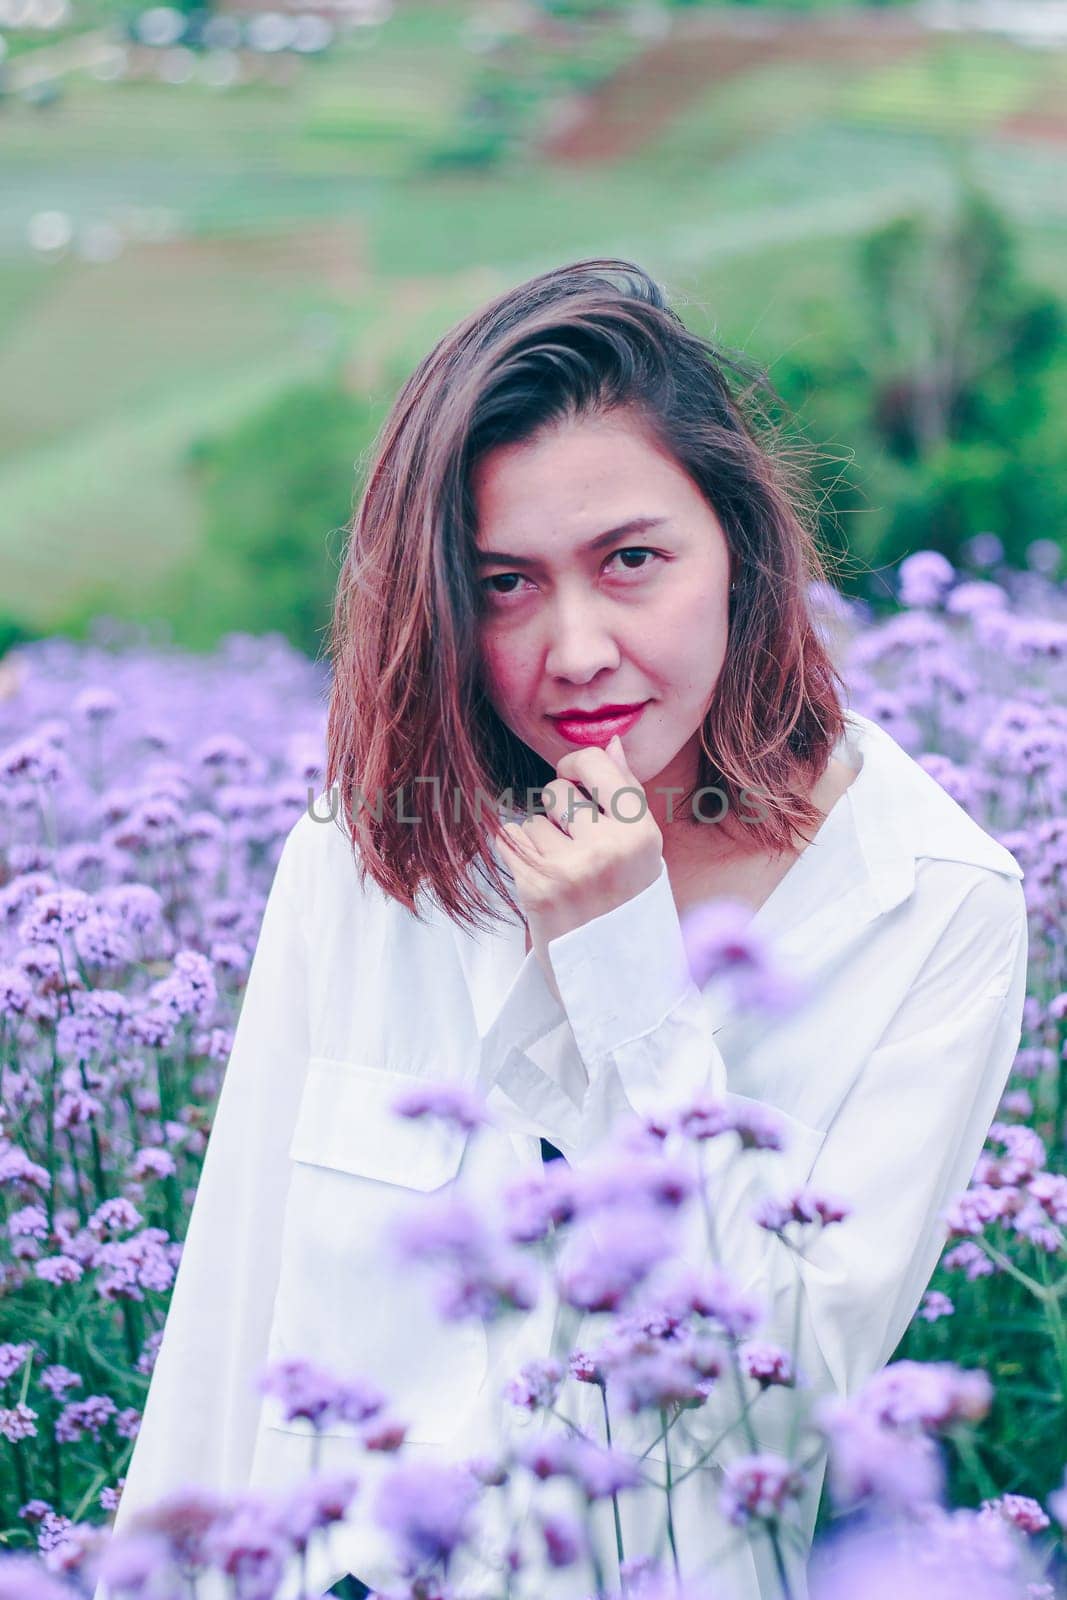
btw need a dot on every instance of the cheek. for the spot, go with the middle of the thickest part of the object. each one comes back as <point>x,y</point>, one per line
<point>690,645</point>
<point>505,673</point>
<point>703,606</point>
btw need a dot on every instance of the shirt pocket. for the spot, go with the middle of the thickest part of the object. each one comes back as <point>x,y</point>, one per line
<point>346,1122</point>
<point>790,1167</point>
<point>739,1180</point>
<point>343,1300</point>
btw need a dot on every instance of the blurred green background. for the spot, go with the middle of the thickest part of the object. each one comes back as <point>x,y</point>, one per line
<point>226,236</point>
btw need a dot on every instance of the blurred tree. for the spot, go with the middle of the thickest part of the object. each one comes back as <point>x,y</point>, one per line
<point>276,490</point>
<point>937,400</point>
<point>15,630</point>
<point>948,315</point>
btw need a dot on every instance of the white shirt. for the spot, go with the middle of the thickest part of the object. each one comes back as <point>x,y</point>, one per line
<point>906,920</point>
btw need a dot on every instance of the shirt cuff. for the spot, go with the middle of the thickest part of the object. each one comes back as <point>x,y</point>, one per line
<point>528,1011</point>
<point>621,973</point>
<point>529,1072</point>
<point>536,1091</point>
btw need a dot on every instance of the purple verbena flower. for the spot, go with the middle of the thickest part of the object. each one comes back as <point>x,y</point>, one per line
<point>13,1358</point>
<point>598,1472</point>
<point>876,1563</point>
<point>599,1273</point>
<point>926,1394</point>
<point>768,1364</point>
<point>22,1577</point>
<point>57,1379</point>
<point>56,912</point>
<point>247,1549</point>
<point>480,1274</point>
<point>564,1537</point>
<point>759,1488</point>
<point>924,578</point>
<point>535,1204</point>
<point>182,1519</point>
<point>79,1417</point>
<point>18,1422</point>
<point>871,1462</point>
<point>450,1102</point>
<point>536,1386</point>
<point>308,1392</point>
<point>427,1507</point>
<point>313,1504</point>
<point>721,945</point>
<point>1020,1510</point>
<point>935,1305</point>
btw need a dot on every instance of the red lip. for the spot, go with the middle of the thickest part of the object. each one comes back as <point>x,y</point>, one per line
<point>594,716</point>
<point>601,729</point>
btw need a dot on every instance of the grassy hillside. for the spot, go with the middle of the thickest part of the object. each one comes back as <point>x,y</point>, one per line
<point>273,231</point>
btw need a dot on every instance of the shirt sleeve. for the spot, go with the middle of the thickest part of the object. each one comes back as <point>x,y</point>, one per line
<point>637,1017</point>
<point>533,1079</point>
<point>201,1413</point>
<point>631,1033</point>
<point>902,1144</point>
<point>906,1139</point>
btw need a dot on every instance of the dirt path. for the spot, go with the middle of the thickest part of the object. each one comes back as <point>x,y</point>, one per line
<point>333,253</point>
<point>642,98</point>
<point>1045,121</point>
<point>55,60</point>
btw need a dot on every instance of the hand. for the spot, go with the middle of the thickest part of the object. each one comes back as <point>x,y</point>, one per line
<point>569,869</point>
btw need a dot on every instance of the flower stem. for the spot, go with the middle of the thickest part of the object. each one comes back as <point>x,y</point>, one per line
<point>614,1492</point>
<point>735,1369</point>
<point>669,1486</point>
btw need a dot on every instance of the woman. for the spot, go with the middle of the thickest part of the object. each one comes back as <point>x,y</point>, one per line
<point>570,509</point>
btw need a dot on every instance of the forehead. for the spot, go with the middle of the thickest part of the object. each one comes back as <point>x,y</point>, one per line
<point>575,481</point>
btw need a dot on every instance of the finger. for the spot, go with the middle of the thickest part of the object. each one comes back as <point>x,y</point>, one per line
<point>618,754</point>
<point>549,839</point>
<point>562,799</point>
<point>537,843</point>
<point>601,773</point>
<point>517,846</point>
<point>584,812</point>
<point>593,758</point>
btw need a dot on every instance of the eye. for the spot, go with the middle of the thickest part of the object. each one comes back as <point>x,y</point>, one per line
<point>506,577</point>
<point>634,550</point>
<point>500,577</point>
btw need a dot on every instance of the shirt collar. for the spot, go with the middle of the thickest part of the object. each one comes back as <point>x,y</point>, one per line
<point>901,813</point>
<point>879,810</point>
<point>891,814</point>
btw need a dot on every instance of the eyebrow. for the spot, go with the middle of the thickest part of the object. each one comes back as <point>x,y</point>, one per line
<point>635,525</point>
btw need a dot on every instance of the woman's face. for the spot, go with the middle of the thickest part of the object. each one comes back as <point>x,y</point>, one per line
<point>565,626</point>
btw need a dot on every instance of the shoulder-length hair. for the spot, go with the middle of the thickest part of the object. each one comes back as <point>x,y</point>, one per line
<point>410,731</point>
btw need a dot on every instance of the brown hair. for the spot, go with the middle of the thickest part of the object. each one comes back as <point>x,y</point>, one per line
<point>407,700</point>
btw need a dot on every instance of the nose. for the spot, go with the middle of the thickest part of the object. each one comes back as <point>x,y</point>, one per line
<point>580,643</point>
